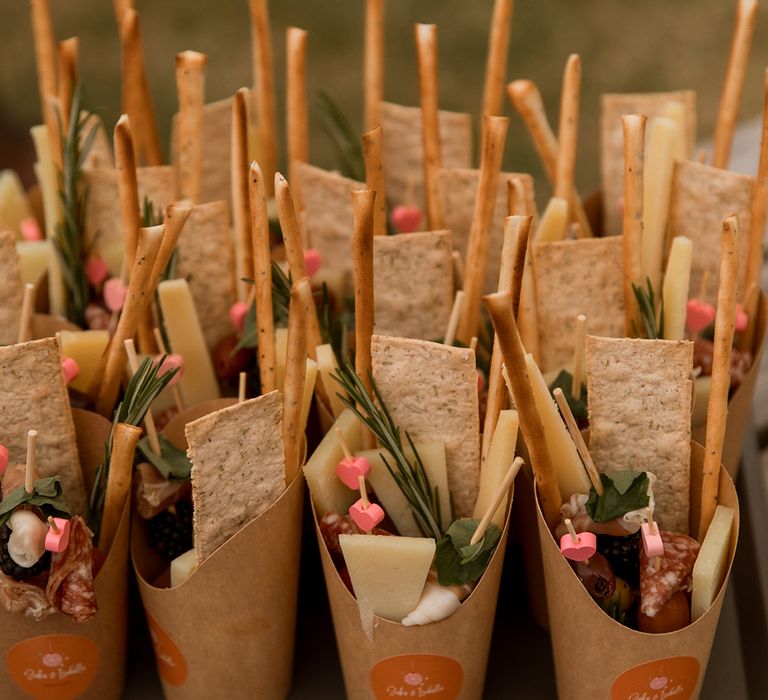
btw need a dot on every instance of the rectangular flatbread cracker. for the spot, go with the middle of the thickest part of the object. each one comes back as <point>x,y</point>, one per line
<point>327,200</point>
<point>613,107</point>
<point>103,216</point>
<point>430,390</point>
<point>404,150</point>
<point>238,468</point>
<point>35,398</point>
<point>11,289</point>
<point>702,196</point>
<point>458,188</point>
<point>573,277</point>
<point>640,416</point>
<point>413,284</point>
<point>206,259</point>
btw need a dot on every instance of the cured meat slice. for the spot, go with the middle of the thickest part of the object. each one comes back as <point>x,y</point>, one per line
<point>673,575</point>
<point>25,598</point>
<point>70,583</point>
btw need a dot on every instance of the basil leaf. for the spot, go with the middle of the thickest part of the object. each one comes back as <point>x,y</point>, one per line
<point>457,561</point>
<point>615,502</point>
<point>47,495</point>
<point>578,407</point>
<point>172,462</point>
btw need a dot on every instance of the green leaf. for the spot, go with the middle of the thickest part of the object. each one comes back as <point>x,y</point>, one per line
<point>172,462</point>
<point>47,495</point>
<point>647,304</point>
<point>457,561</point>
<point>578,407</point>
<point>622,492</point>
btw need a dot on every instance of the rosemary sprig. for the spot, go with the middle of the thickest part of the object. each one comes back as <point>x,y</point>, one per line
<point>647,303</point>
<point>142,390</point>
<point>69,241</point>
<point>349,149</point>
<point>412,480</point>
<point>150,215</point>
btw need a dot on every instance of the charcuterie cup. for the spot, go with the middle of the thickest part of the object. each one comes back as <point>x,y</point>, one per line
<point>238,606</point>
<point>597,657</point>
<point>58,658</point>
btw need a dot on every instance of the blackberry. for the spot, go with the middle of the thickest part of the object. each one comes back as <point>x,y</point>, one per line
<point>11,568</point>
<point>623,553</point>
<point>170,533</point>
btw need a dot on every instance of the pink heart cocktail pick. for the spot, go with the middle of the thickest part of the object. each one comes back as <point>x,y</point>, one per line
<point>577,546</point>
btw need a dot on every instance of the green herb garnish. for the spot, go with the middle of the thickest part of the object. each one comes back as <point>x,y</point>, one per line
<point>457,561</point>
<point>349,149</point>
<point>47,495</point>
<point>647,304</point>
<point>623,491</point>
<point>172,462</point>
<point>578,407</point>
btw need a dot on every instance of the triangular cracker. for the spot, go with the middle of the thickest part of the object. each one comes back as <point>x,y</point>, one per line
<point>613,107</point>
<point>458,188</point>
<point>11,289</point>
<point>640,416</point>
<point>413,284</point>
<point>575,277</point>
<point>431,391</point>
<point>238,468</point>
<point>404,152</point>
<point>35,398</point>
<point>702,196</point>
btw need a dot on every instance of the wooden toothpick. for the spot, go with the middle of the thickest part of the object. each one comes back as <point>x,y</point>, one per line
<point>30,475</point>
<point>503,489</point>
<point>344,447</point>
<point>242,387</point>
<point>578,440</point>
<point>453,321</point>
<point>53,525</point>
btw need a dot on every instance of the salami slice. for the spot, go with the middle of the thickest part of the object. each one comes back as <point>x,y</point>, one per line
<point>25,598</point>
<point>673,575</point>
<point>70,583</point>
<point>155,493</point>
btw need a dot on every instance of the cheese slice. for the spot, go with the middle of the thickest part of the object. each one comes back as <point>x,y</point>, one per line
<point>310,376</point>
<point>387,573</point>
<point>281,353</point>
<point>554,222</point>
<point>182,567</point>
<point>496,465</point>
<point>329,494</point>
<point>571,475</point>
<point>85,348</point>
<point>14,205</point>
<point>709,569</point>
<point>326,367</point>
<point>33,260</point>
<point>392,499</point>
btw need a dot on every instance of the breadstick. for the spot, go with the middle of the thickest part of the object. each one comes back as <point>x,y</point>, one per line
<point>136,304</point>
<point>496,63</point>
<point>363,204</point>
<point>373,62</point>
<point>25,318</point>
<point>568,131</point>
<point>176,216</point>
<point>494,134</point>
<point>239,176</point>
<point>526,99</point>
<point>263,80</point>
<point>511,270</point>
<point>68,50</point>
<point>426,51</point>
<point>125,162</point>
<point>296,111</point>
<point>295,369</point>
<point>190,83</point>
<point>374,178</point>
<point>120,8</point>
<point>453,319</point>
<point>500,308</point>
<point>754,262</point>
<point>634,149</point>
<point>734,83</point>
<point>45,64</point>
<point>294,252</point>
<point>136,97</point>
<point>124,440</point>
<point>262,276</point>
<point>717,407</point>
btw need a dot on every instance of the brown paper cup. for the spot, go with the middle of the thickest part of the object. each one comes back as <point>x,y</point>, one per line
<point>596,657</point>
<point>58,658</point>
<point>228,630</point>
<point>445,659</point>
<point>740,404</point>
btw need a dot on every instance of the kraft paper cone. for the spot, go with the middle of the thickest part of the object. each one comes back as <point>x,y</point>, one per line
<point>58,658</point>
<point>228,630</point>
<point>740,404</point>
<point>596,657</point>
<point>445,659</point>
<point>46,326</point>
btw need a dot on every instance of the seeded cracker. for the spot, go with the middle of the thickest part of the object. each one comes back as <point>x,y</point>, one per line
<point>640,415</point>
<point>431,391</point>
<point>11,289</point>
<point>238,468</point>
<point>575,277</point>
<point>413,284</point>
<point>35,398</point>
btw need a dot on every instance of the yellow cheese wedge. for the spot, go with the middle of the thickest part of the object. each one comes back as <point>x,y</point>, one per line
<point>281,352</point>
<point>496,465</point>
<point>14,205</point>
<point>85,348</point>
<point>392,499</point>
<point>554,222</point>
<point>329,494</point>
<point>310,376</point>
<point>571,475</point>
<point>388,573</point>
<point>33,260</point>
<point>326,367</point>
<point>709,569</point>
<point>182,568</point>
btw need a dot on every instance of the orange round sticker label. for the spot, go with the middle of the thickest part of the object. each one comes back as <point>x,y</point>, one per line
<point>417,676</point>
<point>675,677</point>
<point>54,666</point>
<point>171,664</point>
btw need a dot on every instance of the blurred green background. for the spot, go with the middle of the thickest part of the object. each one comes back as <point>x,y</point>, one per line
<point>625,45</point>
